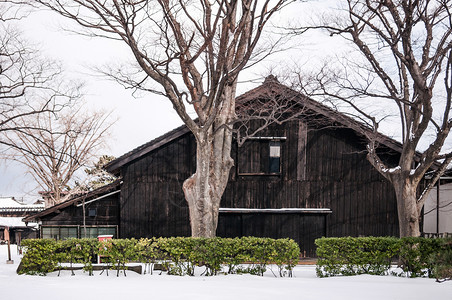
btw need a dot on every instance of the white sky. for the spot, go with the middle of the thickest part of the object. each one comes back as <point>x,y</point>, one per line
<point>143,119</point>
<point>140,119</point>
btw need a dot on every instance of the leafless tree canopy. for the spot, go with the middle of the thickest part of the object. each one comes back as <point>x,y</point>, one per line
<point>192,49</point>
<point>29,84</point>
<point>191,52</point>
<point>405,48</point>
<point>55,145</point>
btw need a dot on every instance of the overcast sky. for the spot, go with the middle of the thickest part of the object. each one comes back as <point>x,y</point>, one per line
<point>142,119</point>
<point>139,119</point>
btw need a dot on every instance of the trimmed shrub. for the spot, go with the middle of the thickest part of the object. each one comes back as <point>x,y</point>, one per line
<point>441,261</point>
<point>40,258</point>
<point>178,255</point>
<point>373,255</point>
<point>118,252</point>
<point>77,251</point>
<point>286,256</point>
<point>414,253</point>
<point>352,256</point>
<point>148,253</point>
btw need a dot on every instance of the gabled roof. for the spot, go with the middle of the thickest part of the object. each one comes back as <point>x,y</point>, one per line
<point>113,166</point>
<point>99,192</point>
<point>270,86</point>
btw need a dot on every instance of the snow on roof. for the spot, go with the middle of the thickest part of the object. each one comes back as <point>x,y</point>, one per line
<point>15,222</point>
<point>11,204</point>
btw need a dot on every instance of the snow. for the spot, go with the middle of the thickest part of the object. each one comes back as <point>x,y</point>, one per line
<point>396,169</point>
<point>10,202</point>
<point>15,222</point>
<point>305,285</point>
<point>275,210</point>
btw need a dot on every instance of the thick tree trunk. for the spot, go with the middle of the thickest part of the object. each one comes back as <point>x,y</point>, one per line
<point>408,213</point>
<point>203,190</point>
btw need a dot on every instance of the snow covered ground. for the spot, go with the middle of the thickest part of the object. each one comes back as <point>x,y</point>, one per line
<point>304,285</point>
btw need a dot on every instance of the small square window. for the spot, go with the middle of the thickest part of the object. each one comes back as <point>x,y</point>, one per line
<point>260,156</point>
<point>275,149</point>
<point>92,212</point>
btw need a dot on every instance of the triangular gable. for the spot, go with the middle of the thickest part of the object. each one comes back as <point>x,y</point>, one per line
<point>270,86</point>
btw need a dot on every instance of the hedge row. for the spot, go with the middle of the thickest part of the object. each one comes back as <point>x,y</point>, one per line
<point>178,255</point>
<point>416,256</point>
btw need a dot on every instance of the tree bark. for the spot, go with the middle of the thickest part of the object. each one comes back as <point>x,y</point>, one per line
<point>387,34</point>
<point>407,208</point>
<point>203,190</point>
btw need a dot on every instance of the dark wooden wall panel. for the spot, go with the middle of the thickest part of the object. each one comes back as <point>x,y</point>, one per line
<point>319,169</point>
<point>107,214</point>
<point>302,228</point>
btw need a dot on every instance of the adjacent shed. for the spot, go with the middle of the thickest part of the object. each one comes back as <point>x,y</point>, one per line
<point>88,215</point>
<point>12,212</point>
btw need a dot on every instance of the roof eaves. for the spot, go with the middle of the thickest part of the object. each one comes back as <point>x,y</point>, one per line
<point>94,193</point>
<point>114,165</point>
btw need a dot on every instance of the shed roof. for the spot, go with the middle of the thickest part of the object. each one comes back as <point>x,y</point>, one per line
<point>76,200</point>
<point>15,222</point>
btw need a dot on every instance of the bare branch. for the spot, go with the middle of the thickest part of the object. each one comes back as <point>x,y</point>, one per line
<point>55,145</point>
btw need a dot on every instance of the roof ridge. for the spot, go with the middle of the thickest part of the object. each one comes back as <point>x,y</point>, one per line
<point>270,85</point>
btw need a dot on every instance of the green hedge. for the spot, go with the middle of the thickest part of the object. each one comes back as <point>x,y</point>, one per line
<point>40,258</point>
<point>46,255</point>
<point>441,261</point>
<point>353,256</point>
<point>177,255</point>
<point>373,255</point>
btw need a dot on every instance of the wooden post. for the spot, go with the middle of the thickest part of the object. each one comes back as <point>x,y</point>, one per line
<point>301,151</point>
<point>9,261</point>
<point>437,206</point>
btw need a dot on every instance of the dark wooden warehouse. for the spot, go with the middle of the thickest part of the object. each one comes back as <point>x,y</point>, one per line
<point>302,179</point>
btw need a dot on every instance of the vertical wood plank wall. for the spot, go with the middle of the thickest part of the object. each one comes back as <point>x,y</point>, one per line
<point>107,214</point>
<point>320,168</point>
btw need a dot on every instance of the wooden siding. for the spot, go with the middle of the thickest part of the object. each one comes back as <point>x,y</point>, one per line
<point>152,202</point>
<point>320,168</point>
<point>107,210</point>
<point>302,228</point>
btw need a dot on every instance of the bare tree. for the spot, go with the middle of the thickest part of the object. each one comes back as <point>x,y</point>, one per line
<point>55,145</point>
<point>29,84</point>
<point>405,47</point>
<point>194,52</point>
